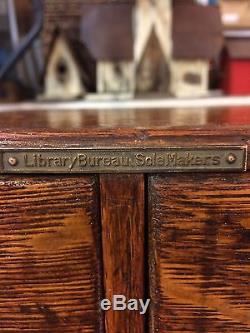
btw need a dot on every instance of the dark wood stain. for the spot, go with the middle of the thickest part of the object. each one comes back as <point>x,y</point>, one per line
<point>200,253</point>
<point>125,128</point>
<point>50,274</point>
<point>54,264</point>
<point>193,119</point>
<point>122,207</point>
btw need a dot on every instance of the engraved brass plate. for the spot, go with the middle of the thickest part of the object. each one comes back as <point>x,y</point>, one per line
<point>131,160</point>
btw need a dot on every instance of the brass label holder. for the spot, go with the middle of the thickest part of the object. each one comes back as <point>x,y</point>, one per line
<point>120,160</point>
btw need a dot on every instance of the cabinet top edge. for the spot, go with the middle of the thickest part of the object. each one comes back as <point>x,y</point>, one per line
<point>172,121</point>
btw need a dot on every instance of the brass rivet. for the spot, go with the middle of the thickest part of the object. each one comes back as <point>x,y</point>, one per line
<point>231,158</point>
<point>12,161</point>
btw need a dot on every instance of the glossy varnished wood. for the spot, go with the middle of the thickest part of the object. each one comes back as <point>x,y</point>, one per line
<point>200,253</point>
<point>76,120</point>
<point>199,228</point>
<point>122,209</point>
<point>50,262</point>
<point>125,128</point>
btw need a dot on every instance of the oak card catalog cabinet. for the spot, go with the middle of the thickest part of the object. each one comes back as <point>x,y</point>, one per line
<point>149,208</point>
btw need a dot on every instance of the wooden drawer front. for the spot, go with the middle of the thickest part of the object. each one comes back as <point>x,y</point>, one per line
<point>200,253</point>
<point>49,255</point>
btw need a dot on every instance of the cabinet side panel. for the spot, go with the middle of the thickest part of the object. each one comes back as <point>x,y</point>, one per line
<point>200,253</point>
<point>50,266</point>
<point>122,202</point>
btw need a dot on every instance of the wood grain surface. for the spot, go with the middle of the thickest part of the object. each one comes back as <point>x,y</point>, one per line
<point>125,128</point>
<point>200,253</point>
<point>21,117</point>
<point>122,207</point>
<point>50,262</point>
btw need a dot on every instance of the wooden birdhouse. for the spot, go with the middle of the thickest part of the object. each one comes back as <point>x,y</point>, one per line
<point>197,41</point>
<point>60,13</point>
<point>70,71</point>
<point>153,45</point>
<point>106,30</point>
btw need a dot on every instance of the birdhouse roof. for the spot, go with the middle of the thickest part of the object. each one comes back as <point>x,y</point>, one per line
<point>106,30</point>
<point>197,31</point>
<point>238,48</point>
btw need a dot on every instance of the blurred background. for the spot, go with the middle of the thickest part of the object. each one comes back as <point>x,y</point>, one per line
<point>60,50</point>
